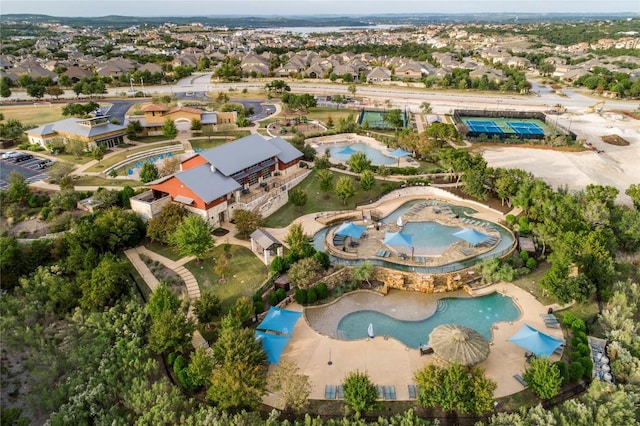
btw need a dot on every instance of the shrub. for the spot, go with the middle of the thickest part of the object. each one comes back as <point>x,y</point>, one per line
<point>564,371</point>
<point>258,306</point>
<point>312,295</point>
<point>322,291</point>
<point>587,365</point>
<point>281,294</point>
<point>524,255</point>
<point>576,371</point>
<point>45,212</point>
<point>532,263</point>
<point>323,259</point>
<point>273,299</point>
<point>301,296</point>
<point>579,325</point>
<point>579,337</point>
<point>257,297</point>
<point>568,319</point>
<point>583,350</point>
<point>171,358</point>
<point>511,219</point>
<point>179,364</point>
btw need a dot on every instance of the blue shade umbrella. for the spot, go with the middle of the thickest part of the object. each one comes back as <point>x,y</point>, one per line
<point>347,151</point>
<point>397,239</point>
<point>399,153</point>
<point>350,229</point>
<point>273,345</point>
<point>280,320</point>
<point>471,236</point>
<point>535,341</point>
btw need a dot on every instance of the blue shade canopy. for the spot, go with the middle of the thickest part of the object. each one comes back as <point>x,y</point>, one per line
<point>280,320</point>
<point>347,151</point>
<point>350,229</point>
<point>399,152</point>
<point>273,345</point>
<point>471,236</point>
<point>397,239</point>
<point>535,341</point>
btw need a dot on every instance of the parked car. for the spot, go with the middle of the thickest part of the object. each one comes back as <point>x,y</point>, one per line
<point>10,154</point>
<point>22,157</point>
<point>45,163</point>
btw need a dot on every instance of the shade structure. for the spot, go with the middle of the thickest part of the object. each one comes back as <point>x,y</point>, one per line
<point>350,229</point>
<point>347,151</point>
<point>399,152</point>
<point>471,236</point>
<point>458,344</point>
<point>280,320</point>
<point>535,341</point>
<point>273,345</point>
<point>397,239</point>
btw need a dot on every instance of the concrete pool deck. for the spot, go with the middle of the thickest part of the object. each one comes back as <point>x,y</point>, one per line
<point>389,362</point>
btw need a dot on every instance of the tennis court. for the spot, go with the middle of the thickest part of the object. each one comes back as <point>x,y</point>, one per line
<point>524,128</point>
<point>506,127</point>
<point>484,127</point>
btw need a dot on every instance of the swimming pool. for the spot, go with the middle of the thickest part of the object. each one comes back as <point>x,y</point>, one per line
<point>375,155</point>
<point>478,313</point>
<point>431,238</point>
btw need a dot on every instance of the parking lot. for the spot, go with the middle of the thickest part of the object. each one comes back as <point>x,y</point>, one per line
<point>28,168</point>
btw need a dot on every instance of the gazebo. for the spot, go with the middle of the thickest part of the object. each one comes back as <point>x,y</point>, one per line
<point>262,240</point>
<point>458,344</point>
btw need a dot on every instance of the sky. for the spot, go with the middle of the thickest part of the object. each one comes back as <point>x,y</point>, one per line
<point>306,7</point>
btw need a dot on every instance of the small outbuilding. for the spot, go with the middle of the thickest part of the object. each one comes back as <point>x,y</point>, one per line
<point>266,244</point>
<point>526,244</point>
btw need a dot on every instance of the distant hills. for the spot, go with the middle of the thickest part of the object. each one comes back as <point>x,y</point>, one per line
<point>232,21</point>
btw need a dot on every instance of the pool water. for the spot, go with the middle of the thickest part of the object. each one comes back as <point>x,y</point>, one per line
<point>375,155</point>
<point>477,313</point>
<point>431,235</point>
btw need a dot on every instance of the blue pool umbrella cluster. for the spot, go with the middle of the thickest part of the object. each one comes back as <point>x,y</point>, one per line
<point>275,331</point>
<point>535,341</point>
<point>350,229</point>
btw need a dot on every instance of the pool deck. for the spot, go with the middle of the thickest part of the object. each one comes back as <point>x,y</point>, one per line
<point>389,362</point>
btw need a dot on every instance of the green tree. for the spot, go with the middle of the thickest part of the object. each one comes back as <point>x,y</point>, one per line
<point>18,190</point>
<point>171,331</point>
<point>247,221</point>
<point>237,386</point>
<point>325,180</point>
<point>201,365</point>
<point>543,378</point>
<point>207,307</point>
<point>455,388</point>
<point>108,281</point>
<point>394,118</point>
<point>134,128</point>
<point>367,180</point>
<point>242,309</point>
<point>363,272</point>
<point>169,130</point>
<point>221,268</point>
<point>162,226</point>
<point>426,108</point>
<point>345,189</point>
<point>118,229</point>
<point>305,272</point>
<point>293,386</point>
<point>634,192</point>
<point>298,198</point>
<point>75,147</point>
<point>192,237</point>
<point>352,88</point>
<point>358,162</point>
<point>162,300</point>
<point>5,87</point>
<point>297,239</point>
<point>360,394</point>
<point>149,172</point>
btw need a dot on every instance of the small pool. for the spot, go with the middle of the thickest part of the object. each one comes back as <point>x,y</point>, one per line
<point>375,155</point>
<point>478,313</point>
<point>431,238</point>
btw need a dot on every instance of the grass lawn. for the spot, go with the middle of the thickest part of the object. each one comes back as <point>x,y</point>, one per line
<point>316,201</point>
<point>99,181</point>
<point>151,139</point>
<point>323,113</point>
<point>208,143</point>
<point>164,250</point>
<point>236,134</point>
<point>122,155</point>
<point>246,274</point>
<point>31,115</point>
<point>69,158</point>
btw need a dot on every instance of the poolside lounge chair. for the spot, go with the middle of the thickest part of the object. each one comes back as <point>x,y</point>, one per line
<point>387,253</point>
<point>552,324</point>
<point>549,316</point>
<point>380,253</point>
<point>520,380</point>
<point>412,391</point>
<point>559,350</point>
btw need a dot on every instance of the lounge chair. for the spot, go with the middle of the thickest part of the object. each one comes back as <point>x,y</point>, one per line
<point>520,380</point>
<point>549,316</point>
<point>552,324</point>
<point>559,350</point>
<point>387,253</point>
<point>380,253</point>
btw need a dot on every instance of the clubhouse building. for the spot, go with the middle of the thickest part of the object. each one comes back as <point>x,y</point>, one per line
<point>251,173</point>
<point>94,132</point>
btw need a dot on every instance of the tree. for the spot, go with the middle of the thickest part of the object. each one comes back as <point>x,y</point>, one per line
<point>298,198</point>
<point>455,388</point>
<point>134,128</point>
<point>394,118</point>
<point>358,162</point>
<point>207,307</point>
<point>162,300</point>
<point>170,165</point>
<point>108,281</point>
<point>360,394</point>
<point>345,189</point>
<point>367,180</point>
<point>18,190</point>
<point>75,147</point>
<point>200,366</point>
<point>54,91</point>
<point>221,268</point>
<point>247,221</point>
<point>297,239</point>
<point>149,172</point>
<point>305,272</point>
<point>634,192</point>
<point>192,237</point>
<point>426,108</point>
<point>169,130</point>
<point>543,378</point>
<point>5,87</point>
<point>160,227</point>
<point>352,88</point>
<point>196,124</point>
<point>118,229</point>
<point>237,386</point>
<point>363,272</point>
<point>171,331</point>
<point>325,179</point>
<point>293,386</point>
<point>98,153</point>
<point>59,171</point>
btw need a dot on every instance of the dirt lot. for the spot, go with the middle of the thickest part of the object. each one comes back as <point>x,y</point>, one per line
<point>617,166</point>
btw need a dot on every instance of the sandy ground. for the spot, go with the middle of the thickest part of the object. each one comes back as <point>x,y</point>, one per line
<point>618,166</point>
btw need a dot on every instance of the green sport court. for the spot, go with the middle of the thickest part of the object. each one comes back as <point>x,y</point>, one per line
<point>527,128</point>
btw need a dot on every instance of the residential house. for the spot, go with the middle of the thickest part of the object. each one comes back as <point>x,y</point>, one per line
<point>379,74</point>
<point>155,115</point>
<point>213,183</point>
